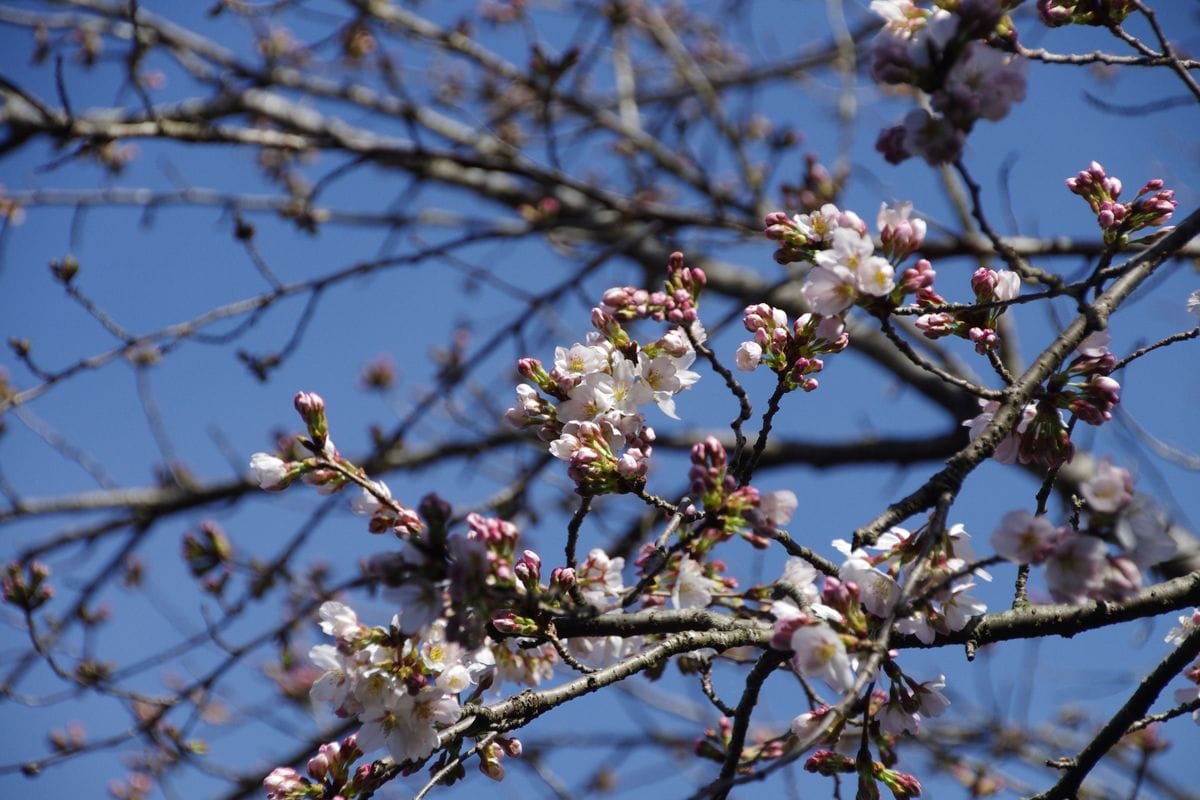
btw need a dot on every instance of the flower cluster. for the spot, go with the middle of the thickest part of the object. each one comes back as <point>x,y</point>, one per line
<point>473,610</point>
<point>1079,564</point>
<point>1039,437</point>
<point>790,351</point>
<point>939,602</point>
<point>588,406</point>
<point>907,701</point>
<point>829,630</point>
<point>1056,13</point>
<point>801,237</point>
<point>1150,208</point>
<point>328,775</point>
<point>680,580</point>
<point>676,303</point>
<point>830,763</point>
<point>25,585</point>
<point>402,687</point>
<point>844,266</point>
<point>942,53</point>
<point>329,471</point>
<point>729,509</point>
<point>992,288</point>
<point>1084,387</point>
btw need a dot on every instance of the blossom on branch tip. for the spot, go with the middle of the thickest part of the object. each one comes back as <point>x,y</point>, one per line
<point>1151,207</point>
<point>25,585</point>
<point>899,232</point>
<point>271,472</point>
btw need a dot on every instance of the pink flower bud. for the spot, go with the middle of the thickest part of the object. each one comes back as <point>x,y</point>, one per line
<point>562,577</point>
<point>309,404</point>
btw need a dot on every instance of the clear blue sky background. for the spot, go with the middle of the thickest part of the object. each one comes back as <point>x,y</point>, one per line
<point>147,272</point>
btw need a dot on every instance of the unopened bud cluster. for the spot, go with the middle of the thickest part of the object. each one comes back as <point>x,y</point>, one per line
<point>1056,13</point>
<point>25,585</point>
<point>1150,208</point>
<point>730,509</point>
<point>790,350</point>
<point>992,288</point>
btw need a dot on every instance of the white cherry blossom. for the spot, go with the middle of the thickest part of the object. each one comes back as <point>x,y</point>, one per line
<point>580,359</point>
<point>692,588</point>
<point>829,290</point>
<point>818,652</point>
<point>270,471</point>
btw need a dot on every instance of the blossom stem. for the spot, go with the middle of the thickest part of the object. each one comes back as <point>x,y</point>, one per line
<point>912,355</point>
<point>745,410</point>
<point>1182,336</point>
<point>745,469</point>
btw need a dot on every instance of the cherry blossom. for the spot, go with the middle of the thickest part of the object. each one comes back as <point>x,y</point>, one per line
<point>580,359</point>
<point>879,592</point>
<point>1008,451</point>
<point>599,578</point>
<point>748,356</point>
<point>405,724</point>
<point>270,471</point>
<point>1075,568</point>
<point>367,502</point>
<point>1024,538</point>
<point>1143,530</point>
<point>830,290</point>
<point>339,621</point>
<point>692,588</point>
<point>336,683</point>
<point>818,652</point>
<point>1187,624</point>
<point>1109,489</point>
